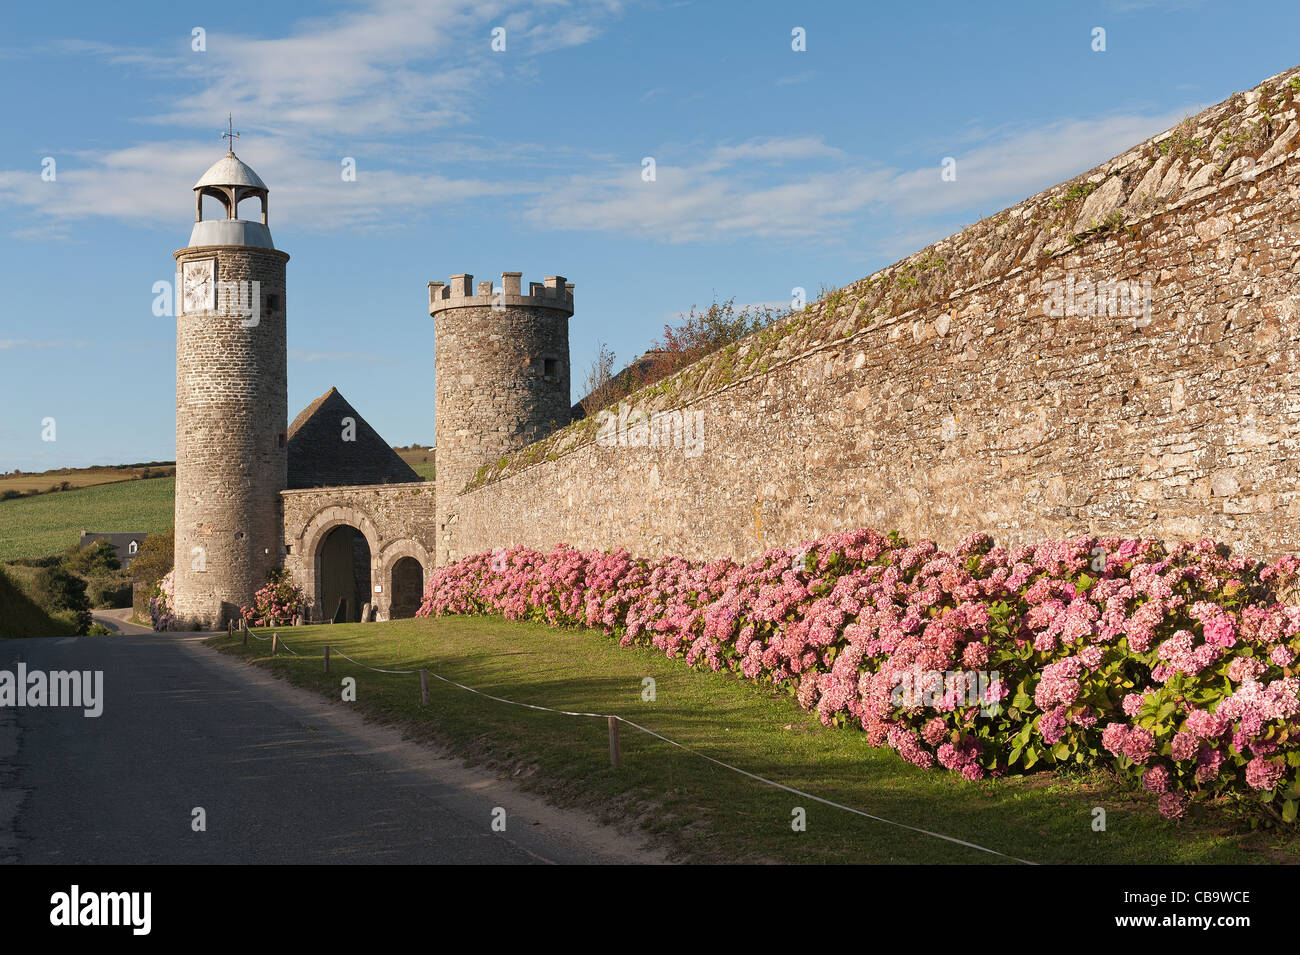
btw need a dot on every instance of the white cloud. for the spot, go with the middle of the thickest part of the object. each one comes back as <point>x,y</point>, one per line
<point>738,191</point>
<point>367,77</point>
<point>1024,162</point>
<point>8,344</point>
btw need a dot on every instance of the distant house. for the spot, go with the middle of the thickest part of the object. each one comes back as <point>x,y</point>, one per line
<point>124,545</point>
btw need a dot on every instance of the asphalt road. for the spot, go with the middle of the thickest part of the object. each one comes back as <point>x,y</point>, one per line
<point>282,775</point>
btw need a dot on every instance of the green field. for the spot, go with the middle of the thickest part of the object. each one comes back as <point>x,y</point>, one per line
<point>701,812</point>
<point>420,460</point>
<point>49,523</point>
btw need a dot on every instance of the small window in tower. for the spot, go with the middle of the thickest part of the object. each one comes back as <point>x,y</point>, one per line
<point>279,440</point>
<point>272,304</point>
<point>551,367</point>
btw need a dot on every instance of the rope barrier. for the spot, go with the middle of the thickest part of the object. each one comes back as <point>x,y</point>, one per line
<point>336,651</point>
<point>734,769</point>
<point>659,736</point>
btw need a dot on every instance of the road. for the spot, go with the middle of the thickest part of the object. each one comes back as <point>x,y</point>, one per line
<point>282,775</point>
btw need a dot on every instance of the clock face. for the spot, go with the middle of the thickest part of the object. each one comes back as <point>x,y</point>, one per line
<point>199,286</point>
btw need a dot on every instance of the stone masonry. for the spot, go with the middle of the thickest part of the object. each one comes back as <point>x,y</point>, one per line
<point>1119,355</point>
<point>397,520</point>
<point>231,414</point>
<point>502,377</point>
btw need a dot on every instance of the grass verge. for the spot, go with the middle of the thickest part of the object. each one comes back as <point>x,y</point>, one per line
<point>701,812</point>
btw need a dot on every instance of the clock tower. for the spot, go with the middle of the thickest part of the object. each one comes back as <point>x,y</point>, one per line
<point>231,401</point>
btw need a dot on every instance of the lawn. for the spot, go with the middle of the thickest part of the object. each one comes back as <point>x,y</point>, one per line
<point>702,812</point>
<point>49,523</point>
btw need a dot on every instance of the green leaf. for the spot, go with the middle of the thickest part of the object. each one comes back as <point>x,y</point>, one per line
<point>1061,751</point>
<point>1288,810</point>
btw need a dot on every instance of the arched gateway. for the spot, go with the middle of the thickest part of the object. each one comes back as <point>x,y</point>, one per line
<point>352,546</point>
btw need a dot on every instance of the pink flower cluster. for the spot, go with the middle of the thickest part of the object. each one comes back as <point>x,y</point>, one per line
<point>1169,663</point>
<point>276,604</point>
<point>162,603</point>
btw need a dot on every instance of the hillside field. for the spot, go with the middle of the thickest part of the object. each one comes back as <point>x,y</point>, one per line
<point>420,460</point>
<point>50,523</point>
<point>77,477</point>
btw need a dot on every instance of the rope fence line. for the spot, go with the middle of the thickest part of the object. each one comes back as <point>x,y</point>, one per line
<point>615,747</point>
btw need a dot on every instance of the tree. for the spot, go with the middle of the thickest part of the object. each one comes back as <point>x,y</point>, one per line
<point>154,558</point>
<point>94,559</point>
<point>57,589</point>
<point>598,379</point>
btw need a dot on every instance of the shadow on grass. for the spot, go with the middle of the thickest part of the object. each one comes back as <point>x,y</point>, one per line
<point>696,809</point>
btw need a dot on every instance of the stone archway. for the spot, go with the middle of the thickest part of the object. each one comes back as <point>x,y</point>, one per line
<point>404,567</point>
<point>405,588</point>
<point>343,574</point>
<point>321,560</point>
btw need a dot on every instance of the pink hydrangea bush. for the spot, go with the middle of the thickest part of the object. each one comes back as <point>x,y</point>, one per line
<point>1175,665</point>
<point>276,604</point>
<point>162,602</point>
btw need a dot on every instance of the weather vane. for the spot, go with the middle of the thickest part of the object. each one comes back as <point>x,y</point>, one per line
<point>230,133</point>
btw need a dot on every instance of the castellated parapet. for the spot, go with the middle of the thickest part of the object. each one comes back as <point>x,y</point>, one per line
<point>501,361</point>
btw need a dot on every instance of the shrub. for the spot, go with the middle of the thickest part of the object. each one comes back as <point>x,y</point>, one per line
<point>1175,666</point>
<point>161,612</point>
<point>94,559</point>
<point>109,591</point>
<point>276,604</point>
<point>54,560</point>
<point>20,616</point>
<point>154,559</point>
<point>56,589</point>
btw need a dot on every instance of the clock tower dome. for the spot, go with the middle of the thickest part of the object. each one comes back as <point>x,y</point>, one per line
<point>231,401</point>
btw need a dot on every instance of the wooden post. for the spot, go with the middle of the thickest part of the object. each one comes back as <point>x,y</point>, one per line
<point>275,639</point>
<point>327,658</point>
<point>245,622</point>
<point>230,629</point>
<point>615,750</point>
<point>424,687</point>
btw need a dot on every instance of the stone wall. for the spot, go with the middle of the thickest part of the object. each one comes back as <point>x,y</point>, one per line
<point>397,520</point>
<point>502,376</point>
<point>231,413</point>
<point>1134,372</point>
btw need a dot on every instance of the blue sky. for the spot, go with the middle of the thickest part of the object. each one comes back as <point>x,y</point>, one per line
<point>775,168</point>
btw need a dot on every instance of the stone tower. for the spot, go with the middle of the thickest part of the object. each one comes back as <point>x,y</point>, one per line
<point>231,402</point>
<point>501,359</point>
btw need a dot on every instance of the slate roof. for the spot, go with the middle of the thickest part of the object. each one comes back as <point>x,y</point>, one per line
<point>319,457</point>
<point>121,544</point>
